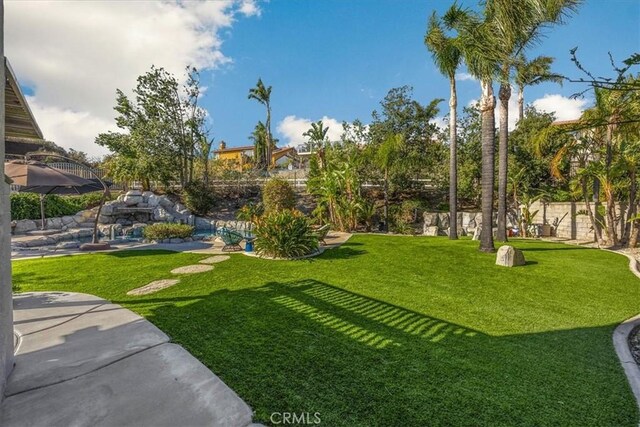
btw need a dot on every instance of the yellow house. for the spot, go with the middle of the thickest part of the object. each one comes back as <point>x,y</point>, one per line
<point>241,158</point>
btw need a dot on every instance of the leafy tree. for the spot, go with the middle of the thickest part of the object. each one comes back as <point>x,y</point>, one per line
<point>164,125</point>
<point>387,156</point>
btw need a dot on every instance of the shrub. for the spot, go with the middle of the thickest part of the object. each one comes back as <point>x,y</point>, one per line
<point>198,198</point>
<point>27,205</point>
<point>278,195</point>
<point>161,231</point>
<point>285,234</point>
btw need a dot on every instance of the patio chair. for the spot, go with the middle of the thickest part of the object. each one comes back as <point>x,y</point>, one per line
<point>321,233</point>
<point>231,240</point>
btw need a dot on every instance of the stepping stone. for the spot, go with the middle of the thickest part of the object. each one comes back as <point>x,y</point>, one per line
<point>214,259</point>
<point>191,269</point>
<point>154,286</point>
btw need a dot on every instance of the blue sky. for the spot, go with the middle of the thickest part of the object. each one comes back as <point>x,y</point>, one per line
<point>324,58</point>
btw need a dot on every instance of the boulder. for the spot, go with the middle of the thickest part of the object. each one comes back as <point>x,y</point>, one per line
<point>161,214</point>
<point>146,195</point>
<point>105,219</point>
<point>24,226</point>
<point>430,219</point>
<point>430,230</point>
<point>54,223</point>
<point>132,200</point>
<point>153,200</point>
<point>508,256</point>
<point>460,231</point>
<point>67,220</point>
<point>203,223</point>
<point>165,203</point>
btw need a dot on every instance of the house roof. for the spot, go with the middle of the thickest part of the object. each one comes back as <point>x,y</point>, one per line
<point>234,149</point>
<point>19,120</point>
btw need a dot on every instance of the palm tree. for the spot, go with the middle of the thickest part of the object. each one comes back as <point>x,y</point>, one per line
<point>262,94</point>
<point>316,134</point>
<point>259,138</point>
<point>480,53</point>
<point>515,26</point>
<point>447,57</point>
<point>531,73</point>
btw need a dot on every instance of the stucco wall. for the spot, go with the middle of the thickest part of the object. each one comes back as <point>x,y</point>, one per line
<point>6,301</point>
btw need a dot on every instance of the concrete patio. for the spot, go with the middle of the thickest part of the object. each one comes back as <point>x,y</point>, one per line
<point>82,361</point>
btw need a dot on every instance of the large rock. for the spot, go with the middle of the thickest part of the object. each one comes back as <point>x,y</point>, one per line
<point>24,226</point>
<point>430,230</point>
<point>54,223</point>
<point>508,256</point>
<point>430,219</point>
<point>161,214</point>
<point>165,203</point>
<point>67,220</point>
<point>132,198</point>
<point>153,200</point>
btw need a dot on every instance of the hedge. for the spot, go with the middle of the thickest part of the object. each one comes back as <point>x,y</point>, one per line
<point>27,205</point>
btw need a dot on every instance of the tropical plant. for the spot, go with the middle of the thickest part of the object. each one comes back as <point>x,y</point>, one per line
<point>447,57</point>
<point>317,135</point>
<point>277,194</point>
<point>259,138</point>
<point>262,94</point>
<point>386,155</point>
<point>164,230</point>
<point>284,234</point>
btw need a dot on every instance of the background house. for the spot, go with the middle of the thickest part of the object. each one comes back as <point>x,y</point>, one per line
<point>242,158</point>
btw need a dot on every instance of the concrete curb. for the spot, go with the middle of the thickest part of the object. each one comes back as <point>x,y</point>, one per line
<point>621,340</point>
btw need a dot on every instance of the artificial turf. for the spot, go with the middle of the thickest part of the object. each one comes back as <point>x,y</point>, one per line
<point>390,331</point>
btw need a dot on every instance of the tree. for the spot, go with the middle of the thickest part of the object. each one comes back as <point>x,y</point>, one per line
<point>163,124</point>
<point>259,138</point>
<point>531,73</point>
<point>262,94</point>
<point>447,57</point>
<point>386,156</point>
<point>317,135</point>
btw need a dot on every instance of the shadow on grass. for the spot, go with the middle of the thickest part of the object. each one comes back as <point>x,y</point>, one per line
<point>308,346</point>
<point>131,253</point>
<point>344,251</point>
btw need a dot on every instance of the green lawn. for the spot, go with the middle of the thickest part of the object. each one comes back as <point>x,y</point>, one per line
<point>391,331</point>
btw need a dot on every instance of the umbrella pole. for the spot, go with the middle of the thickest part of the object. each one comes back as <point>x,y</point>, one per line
<point>42,210</point>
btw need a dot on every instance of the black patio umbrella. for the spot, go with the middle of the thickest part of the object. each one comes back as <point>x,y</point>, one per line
<point>37,177</point>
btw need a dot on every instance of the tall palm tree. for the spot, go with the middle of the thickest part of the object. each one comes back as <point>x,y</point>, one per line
<point>531,73</point>
<point>480,53</point>
<point>515,27</point>
<point>447,57</point>
<point>262,94</point>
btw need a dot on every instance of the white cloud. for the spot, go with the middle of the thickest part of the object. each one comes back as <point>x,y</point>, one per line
<point>75,54</point>
<point>465,77</point>
<point>441,122</point>
<point>563,107</point>
<point>292,128</point>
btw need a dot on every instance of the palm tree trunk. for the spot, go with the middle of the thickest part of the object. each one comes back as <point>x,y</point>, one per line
<point>268,149</point>
<point>453,163</point>
<point>632,210</point>
<point>503,155</point>
<point>386,200</point>
<point>520,103</point>
<point>590,213</point>
<point>487,109</point>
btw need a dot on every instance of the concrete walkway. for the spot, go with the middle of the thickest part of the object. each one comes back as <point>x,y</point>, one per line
<point>82,361</point>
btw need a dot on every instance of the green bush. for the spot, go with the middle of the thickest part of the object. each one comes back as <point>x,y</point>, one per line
<point>285,234</point>
<point>278,195</point>
<point>198,198</point>
<point>27,205</point>
<point>161,231</point>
